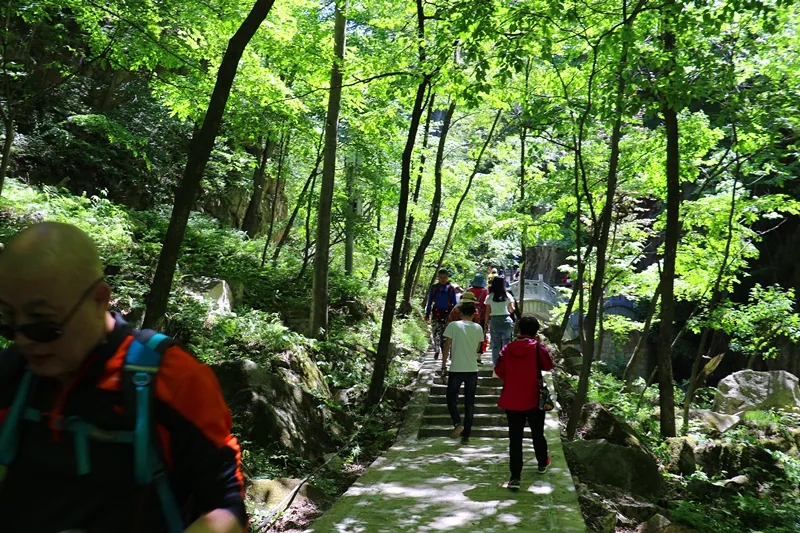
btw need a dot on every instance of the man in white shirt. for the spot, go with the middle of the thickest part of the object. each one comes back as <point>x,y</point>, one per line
<point>461,341</point>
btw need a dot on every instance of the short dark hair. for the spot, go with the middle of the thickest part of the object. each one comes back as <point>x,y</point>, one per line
<point>444,272</point>
<point>468,309</point>
<point>528,325</point>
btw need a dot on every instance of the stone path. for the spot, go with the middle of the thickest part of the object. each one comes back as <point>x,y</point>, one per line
<point>437,484</point>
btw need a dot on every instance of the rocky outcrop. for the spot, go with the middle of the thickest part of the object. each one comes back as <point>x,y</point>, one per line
<point>750,390</point>
<point>274,409</point>
<point>626,468</point>
<point>597,422</point>
<point>682,459</point>
<point>718,458</point>
<point>661,524</point>
<point>719,422</point>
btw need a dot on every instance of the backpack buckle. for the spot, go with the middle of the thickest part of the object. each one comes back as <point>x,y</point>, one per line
<point>141,379</point>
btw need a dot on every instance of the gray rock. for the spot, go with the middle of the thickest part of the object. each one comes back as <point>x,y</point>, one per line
<point>719,458</point>
<point>216,293</point>
<point>630,469</point>
<point>720,422</point>
<point>267,494</point>
<point>750,390</point>
<point>657,524</point>
<point>276,413</point>
<point>681,455</point>
<point>597,422</point>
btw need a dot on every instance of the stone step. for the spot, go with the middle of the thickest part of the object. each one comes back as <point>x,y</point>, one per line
<point>481,390</point>
<point>499,432</point>
<point>486,399</point>
<point>480,419</point>
<point>487,408</point>
<point>487,381</point>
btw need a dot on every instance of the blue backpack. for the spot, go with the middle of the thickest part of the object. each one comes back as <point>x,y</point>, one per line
<point>142,362</point>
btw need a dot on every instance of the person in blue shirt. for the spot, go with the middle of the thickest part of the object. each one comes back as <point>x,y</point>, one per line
<point>441,300</point>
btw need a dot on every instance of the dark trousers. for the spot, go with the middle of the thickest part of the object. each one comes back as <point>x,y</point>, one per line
<point>454,381</point>
<point>516,428</point>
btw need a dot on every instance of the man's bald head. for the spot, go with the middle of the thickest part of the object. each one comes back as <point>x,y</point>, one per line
<point>51,274</point>
<point>52,248</point>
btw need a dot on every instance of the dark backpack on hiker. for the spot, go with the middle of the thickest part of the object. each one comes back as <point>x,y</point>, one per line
<point>441,300</point>
<point>142,362</point>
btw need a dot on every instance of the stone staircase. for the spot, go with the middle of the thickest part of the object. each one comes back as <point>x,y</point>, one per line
<point>490,420</point>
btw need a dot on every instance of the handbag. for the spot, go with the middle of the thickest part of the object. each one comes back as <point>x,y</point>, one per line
<point>546,402</point>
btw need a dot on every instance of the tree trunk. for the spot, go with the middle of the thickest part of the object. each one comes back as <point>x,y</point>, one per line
<point>319,304</point>
<point>350,220</point>
<point>307,247</point>
<point>523,233</point>
<point>596,296</point>
<point>449,239</point>
<point>638,351</point>
<point>422,158</point>
<point>300,200</point>
<point>716,297</point>
<point>8,123</point>
<point>252,217</point>
<point>671,237</point>
<point>279,185</point>
<point>199,152</point>
<point>405,305</point>
<point>382,356</point>
<point>376,267</point>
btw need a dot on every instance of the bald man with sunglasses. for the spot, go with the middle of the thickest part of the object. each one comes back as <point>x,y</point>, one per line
<point>75,453</point>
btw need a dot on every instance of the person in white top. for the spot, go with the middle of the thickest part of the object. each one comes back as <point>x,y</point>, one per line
<point>461,341</point>
<point>500,306</point>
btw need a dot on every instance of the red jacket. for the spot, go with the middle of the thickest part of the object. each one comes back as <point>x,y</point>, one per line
<point>519,365</point>
<point>480,293</point>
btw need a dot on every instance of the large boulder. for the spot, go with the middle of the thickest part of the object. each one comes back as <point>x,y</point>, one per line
<point>681,455</point>
<point>597,422</point>
<point>279,414</point>
<point>716,458</point>
<point>719,422</point>
<point>630,469</point>
<point>216,293</point>
<point>660,524</point>
<point>750,390</point>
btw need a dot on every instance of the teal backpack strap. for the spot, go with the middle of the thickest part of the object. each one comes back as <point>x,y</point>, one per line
<point>9,431</point>
<point>141,369</point>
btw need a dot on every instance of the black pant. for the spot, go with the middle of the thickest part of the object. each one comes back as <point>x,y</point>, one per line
<point>454,381</point>
<point>516,428</point>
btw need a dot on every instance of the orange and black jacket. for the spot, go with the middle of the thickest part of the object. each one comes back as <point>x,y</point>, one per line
<point>42,492</point>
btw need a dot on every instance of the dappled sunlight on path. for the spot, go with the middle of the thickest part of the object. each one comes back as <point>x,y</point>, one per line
<point>440,485</point>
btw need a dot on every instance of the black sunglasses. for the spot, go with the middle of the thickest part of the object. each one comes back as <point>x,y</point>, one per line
<point>44,332</point>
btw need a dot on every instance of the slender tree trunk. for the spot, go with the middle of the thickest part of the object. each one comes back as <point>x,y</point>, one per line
<point>350,220</point>
<point>382,355</point>
<point>280,183</point>
<point>524,231</point>
<point>376,267</point>
<point>8,123</point>
<point>422,158</point>
<point>307,247</point>
<point>199,152</point>
<point>449,239</point>
<point>596,296</point>
<point>252,217</point>
<point>300,200</point>
<point>672,235</point>
<point>416,261</point>
<point>716,297</point>
<point>319,304</point>
<point>639,350</point>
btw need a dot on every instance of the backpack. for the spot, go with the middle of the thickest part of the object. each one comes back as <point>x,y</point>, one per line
<point>480,305</point>
<point>142,362</point>
<point>442,295</point>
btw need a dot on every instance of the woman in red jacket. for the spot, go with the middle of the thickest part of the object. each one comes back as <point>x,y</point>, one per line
<point>520,368</point>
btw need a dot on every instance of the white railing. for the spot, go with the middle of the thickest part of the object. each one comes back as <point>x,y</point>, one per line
<point>540,298</point>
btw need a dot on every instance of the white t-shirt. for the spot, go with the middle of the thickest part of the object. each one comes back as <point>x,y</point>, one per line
<point>498,308</point>
<point>465,337</point>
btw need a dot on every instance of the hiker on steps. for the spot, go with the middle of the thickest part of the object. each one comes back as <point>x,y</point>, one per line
<point>520,367</point>
<point>478,288</point>
<point>461,341</point>
<point>103,428</point>
<point>441,300</point>
<point>500,306</point>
